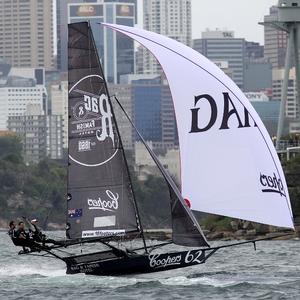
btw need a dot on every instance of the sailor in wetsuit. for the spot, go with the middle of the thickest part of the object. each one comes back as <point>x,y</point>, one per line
<point>12,231</point>
<point>22,239</point>
<point>38,236</point>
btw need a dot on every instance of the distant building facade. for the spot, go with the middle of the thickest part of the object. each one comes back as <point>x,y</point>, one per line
<point>258,76</point>
<point>275,41</point>
<point>26,33</point>
<point>19,91</point>
<point>41,136</point>
<point>268,111</point>
<point>254,50</point>
<point>116,51</point>
<point>292,109</point>
<point>222,47</point>
<point>147,109</point>
<point>153,110</point>
<point>59,106</point>
<point>124,94</point>
<point>169,18</point>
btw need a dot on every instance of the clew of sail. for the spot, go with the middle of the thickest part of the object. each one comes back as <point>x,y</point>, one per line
<point>100,198</point>
<point>228,163</point>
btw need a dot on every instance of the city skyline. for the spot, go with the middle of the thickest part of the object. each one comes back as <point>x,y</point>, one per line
<point>240,16</point>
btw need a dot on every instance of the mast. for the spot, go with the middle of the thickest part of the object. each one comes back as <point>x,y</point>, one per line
<point>124,156</point>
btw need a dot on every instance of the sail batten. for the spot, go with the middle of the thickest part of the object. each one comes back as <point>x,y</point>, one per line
<point>228,163</point>
<point>100,198</point>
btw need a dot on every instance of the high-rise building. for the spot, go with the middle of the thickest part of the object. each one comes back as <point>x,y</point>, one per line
<point>41,135</point>
<point>19,91</point>
<point>223,48</point>
<point>292,110</point>
<point>275,41</point>
<point>153,110</point>
<point>26,33</point>
<point>59,106</point>
<point>171,18</point>
<point>116,51</point>
<point>254,50</point>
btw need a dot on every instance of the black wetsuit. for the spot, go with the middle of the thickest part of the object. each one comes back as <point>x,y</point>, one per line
<point>37,235</point>
<point>22,239</point>
<point>12,235</point>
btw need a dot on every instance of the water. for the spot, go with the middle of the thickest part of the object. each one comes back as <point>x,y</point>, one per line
<point>272,272</point>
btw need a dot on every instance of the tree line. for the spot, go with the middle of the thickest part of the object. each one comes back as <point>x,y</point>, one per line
<point>39,190</point>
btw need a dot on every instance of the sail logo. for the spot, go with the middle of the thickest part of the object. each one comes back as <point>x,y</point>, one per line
<point>110,204</point>
<point>229,113</point>
<point>272,184</point>
<point>91,117</point>
<point>157,262</point>
<point>98,107</point>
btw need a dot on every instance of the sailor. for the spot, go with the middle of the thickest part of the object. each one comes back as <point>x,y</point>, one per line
<point>37,234</point>
<point>12,231</point>
<point>23,239</point>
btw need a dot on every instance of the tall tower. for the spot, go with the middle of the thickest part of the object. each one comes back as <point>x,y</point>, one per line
<point>289,22</point>
<point>100,11</point>
<point>26,33</point>
<point>171,18</point>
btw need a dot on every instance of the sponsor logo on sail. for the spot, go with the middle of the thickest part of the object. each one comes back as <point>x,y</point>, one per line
<point>99,108</point>
<point>108,204</point>
<point>158,261</point>
<point>271,184</point>
<point>91,121</point>
<point>229,113</point>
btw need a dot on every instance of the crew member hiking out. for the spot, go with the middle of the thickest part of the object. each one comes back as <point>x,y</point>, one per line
<point>12,231</point>
<point>22,239</point>
<point>37,235</point>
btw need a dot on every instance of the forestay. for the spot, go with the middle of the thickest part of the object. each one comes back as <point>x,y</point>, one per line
<point>228,163</point>
<point>100,199</point>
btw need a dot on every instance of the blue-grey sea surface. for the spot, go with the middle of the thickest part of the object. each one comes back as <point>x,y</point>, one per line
<point>271,272</point>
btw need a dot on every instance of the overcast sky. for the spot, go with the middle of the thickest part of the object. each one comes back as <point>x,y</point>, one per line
<point>241,16</point>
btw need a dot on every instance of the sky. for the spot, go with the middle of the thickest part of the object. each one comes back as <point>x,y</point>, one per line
<point>241,16</point>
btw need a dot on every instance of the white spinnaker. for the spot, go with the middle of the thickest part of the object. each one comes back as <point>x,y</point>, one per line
<point>233,171</point>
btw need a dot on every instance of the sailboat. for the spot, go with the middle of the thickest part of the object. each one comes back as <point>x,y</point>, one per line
<point>229,166</point>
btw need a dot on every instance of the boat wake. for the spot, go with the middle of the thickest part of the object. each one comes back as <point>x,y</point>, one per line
<point>19,270</point>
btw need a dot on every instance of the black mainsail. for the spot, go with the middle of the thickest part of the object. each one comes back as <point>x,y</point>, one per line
<point>100,198</point>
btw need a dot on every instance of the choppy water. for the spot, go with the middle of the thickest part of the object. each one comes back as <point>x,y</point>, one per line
<point>272,272</point>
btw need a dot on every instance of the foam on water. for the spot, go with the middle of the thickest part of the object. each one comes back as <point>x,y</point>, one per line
<point>238,273</point>
<point>21,270</point>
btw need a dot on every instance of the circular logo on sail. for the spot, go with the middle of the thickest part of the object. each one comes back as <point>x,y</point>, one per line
<point>92,135</point>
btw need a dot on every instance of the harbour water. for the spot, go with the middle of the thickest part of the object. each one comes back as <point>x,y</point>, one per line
<point>271,272</point>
